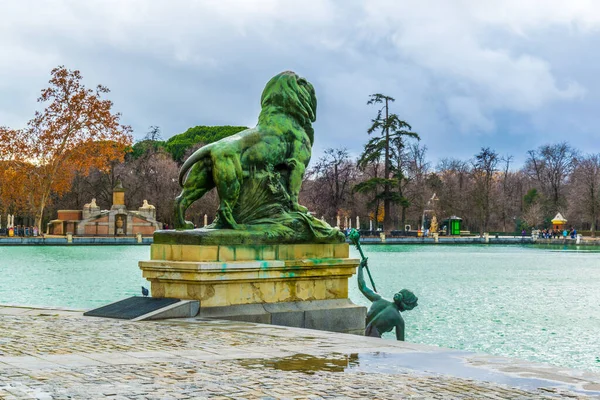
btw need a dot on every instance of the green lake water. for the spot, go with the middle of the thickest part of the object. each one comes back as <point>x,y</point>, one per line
<point>536,303</point>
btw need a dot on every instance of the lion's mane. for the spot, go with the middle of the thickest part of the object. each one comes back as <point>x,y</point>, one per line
<point>287,94</point>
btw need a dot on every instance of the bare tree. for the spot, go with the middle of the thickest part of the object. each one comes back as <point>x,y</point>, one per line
<point>418,172</point>
<point>454,185</point>
<point>534,215</point>
<point>484,167</point>
<point>586,185</point>
<point>550,166</point>
<point>151,177</point>
<point>153,134</point>
<point>505,194</point>
<point>333,174</point>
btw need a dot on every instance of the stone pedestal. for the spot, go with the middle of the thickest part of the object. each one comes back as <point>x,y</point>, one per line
<point>301,285</point>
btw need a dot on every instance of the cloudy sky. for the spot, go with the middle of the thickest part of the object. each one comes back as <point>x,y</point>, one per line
<point>508,74</point>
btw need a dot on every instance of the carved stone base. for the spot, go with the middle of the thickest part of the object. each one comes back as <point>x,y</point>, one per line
<point>327,315</point>
<point>303,285</point>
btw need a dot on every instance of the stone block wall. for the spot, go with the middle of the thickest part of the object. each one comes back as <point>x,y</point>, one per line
<point>69,215</point>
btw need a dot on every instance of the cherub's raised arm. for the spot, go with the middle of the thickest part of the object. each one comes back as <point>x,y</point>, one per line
<point>369,294</point>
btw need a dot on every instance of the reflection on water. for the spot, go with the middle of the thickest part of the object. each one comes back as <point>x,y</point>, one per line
<point>305,363</point>
<point>446,363</point>
<point>443,362</point>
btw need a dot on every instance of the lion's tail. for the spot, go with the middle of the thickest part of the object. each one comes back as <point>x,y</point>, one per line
<point>193,159</point>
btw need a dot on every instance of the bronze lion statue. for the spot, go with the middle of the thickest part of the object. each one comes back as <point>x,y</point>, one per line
<point>272,155</point>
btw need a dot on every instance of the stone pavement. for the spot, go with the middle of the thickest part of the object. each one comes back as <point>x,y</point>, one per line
<point>57,354</point>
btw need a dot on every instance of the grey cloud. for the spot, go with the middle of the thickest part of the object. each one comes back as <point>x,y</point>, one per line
<point>469,115</point>
<point>457,69</point>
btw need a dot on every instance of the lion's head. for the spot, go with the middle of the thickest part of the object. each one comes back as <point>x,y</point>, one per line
<point>287,93</point>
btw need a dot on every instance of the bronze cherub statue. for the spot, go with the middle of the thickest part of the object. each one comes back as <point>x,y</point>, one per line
<point>383,315</point>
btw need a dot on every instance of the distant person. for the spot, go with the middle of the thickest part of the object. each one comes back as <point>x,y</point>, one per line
<point>523,232</point>
<point>565,233</point>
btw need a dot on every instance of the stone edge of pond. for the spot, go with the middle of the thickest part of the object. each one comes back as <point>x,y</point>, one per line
<point>103,241</point>
<point>15,309</point>
<point>76,241</point>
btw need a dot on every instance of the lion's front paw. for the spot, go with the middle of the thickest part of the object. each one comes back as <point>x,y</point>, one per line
<point>189,225</point>
<point>299,208</point>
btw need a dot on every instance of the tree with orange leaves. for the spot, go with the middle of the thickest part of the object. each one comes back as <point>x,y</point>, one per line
<point>75,132</point>
<point>12,172</point>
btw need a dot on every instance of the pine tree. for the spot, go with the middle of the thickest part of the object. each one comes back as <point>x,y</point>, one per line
<point>388,130</point>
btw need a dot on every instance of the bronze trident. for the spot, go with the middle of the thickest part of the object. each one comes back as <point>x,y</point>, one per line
<point>354,237</point>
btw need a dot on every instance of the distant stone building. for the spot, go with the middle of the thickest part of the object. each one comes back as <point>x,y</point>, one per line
<point>118,221</point>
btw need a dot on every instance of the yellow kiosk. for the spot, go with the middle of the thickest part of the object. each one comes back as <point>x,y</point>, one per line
<point>559,222</point>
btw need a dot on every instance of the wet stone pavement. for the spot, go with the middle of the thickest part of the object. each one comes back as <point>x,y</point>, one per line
<point>54,354</point>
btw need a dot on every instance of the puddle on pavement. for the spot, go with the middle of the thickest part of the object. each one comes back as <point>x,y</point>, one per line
<point>453,363</point>
<point>450,363</point>
<point>305,363</point>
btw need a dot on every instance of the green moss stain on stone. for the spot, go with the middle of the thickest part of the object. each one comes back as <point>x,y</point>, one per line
<point>292,290</point>
<point>258,252</point>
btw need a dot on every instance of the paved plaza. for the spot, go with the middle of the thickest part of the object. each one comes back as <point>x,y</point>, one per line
<point>53,354</point>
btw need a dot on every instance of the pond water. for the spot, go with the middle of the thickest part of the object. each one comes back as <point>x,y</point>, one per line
<point>79,277</point>
<point>537,303</point>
